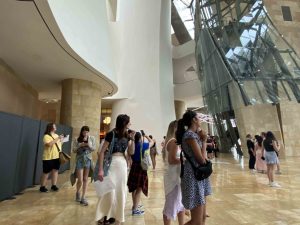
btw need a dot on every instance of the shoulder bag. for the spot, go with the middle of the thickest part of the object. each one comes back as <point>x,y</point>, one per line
<point>201,172</point>
<point>63,157</point>
<point>145,158</point>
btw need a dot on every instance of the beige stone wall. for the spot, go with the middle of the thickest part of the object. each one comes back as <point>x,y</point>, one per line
<point>290,114</point>
<point>81,105</point>
<point>50,111</point>
<point>264,117</point>
<point>16,96</point>
<point>290,29</point>
<point>256,119</point>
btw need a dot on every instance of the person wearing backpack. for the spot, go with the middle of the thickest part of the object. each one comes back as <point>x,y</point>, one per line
<point>138,178</point>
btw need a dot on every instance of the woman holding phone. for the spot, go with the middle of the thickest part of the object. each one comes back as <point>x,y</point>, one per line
<point>84,145</point>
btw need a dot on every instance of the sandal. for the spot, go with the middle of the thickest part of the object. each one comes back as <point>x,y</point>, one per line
<point>104,221</point>
<point>101,222</point>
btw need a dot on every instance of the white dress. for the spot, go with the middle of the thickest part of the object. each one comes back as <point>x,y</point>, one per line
<point>172,173</point>
<point>173,203</point>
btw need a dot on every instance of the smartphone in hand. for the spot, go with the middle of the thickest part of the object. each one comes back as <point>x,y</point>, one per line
<point>143,133</point>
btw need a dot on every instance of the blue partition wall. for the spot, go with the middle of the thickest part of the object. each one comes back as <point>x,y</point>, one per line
<point>25,165</point>
<point>21,152</point>
<point>10,136</point>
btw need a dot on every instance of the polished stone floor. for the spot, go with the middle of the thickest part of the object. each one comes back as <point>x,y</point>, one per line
<point>239,197</point>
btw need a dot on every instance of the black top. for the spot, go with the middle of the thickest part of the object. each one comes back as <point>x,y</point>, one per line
<point>154,145</point>
<point>250,145</point>
<point>268,146</point>
<point>209,141</point>
<point>120,144</point>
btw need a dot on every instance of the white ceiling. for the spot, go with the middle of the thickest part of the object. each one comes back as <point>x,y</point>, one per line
<point>28,46</point>
<point>36,50</point>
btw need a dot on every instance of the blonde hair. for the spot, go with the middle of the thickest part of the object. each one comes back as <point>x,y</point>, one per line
<point>170,134</point>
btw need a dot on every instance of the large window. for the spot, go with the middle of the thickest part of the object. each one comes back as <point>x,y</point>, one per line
<point>237,42</point>
<point>185,9</point>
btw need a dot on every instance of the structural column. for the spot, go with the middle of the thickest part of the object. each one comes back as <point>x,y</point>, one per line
<point>81,105</point>
<point>179,108</point>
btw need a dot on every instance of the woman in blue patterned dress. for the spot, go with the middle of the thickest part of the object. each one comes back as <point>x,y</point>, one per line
<point>193,191</point>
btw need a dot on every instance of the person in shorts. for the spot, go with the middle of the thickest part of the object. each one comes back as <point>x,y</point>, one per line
<point>52,147</point>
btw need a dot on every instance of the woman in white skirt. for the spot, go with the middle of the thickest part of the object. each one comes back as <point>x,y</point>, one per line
<point>173,207</point>
<point>112,204</point>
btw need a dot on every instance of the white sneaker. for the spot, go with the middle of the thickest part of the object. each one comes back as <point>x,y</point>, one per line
<point>274,184</point>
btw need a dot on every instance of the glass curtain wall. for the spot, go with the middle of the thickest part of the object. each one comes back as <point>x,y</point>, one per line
<point>242,58</point>
<point>238,46</point>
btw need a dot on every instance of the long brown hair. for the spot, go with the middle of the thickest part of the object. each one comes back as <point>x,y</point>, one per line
<point>121,123</point>
<point>170,134</point>
<point>81,137</point>
<point>49,128</point>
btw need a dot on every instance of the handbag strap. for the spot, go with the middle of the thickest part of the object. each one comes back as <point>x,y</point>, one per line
<point>188,158</point>
<point>111,146</point>
<point>141,148</point>
<point>58,149</point>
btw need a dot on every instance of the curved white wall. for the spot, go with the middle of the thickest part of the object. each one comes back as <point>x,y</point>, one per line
<point>142,44</point>
<point>84,25</point>
<point>166,67</point>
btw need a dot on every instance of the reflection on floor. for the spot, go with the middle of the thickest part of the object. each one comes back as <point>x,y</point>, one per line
<point>239,197</point>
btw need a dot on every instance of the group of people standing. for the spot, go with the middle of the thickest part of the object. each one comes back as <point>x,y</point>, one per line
<point>186,194</point>
<point>212,147</point>
<point>263,155</point>
<point>128,148</point>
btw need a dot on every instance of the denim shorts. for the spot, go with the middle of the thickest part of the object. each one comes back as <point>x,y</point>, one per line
<point>271,157</point>
<point>83,163</point>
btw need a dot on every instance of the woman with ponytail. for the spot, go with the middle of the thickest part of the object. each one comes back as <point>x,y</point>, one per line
<point>173,204</point>
<point>193,190</point>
